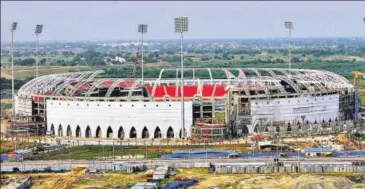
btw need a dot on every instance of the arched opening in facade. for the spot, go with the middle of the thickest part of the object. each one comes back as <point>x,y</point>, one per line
<point>145,133</point>
<point>109,132</point>
<point>180,133</point>
<point>133,133</point>
<point>157,133</point>
<point>88,132</point>
<point>121,133</point>
<point>78,131</point>
<point>52,131</point>
<point>170,133</point>
<point>98,132</point>
<point>60,130</point>
<point>256,129</point>
<point>289,128</point>
<point>266,128</point>
<point>69,132</point>
<point>277,129</point>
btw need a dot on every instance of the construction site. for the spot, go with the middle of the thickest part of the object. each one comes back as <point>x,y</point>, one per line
<point>247,101</point>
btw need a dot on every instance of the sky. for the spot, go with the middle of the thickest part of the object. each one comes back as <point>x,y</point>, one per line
<point>118,20</point>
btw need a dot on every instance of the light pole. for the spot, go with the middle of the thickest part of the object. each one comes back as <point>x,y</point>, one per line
<point>142,28</point>
<point>289,27</point>
<point>181,26</point>
<point>13,28</point>
<point>38,30</point>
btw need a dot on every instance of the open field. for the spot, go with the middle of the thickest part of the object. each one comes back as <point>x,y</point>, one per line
<point>23,72</point>
<point>53,180</point>
<point>92,152</point>
<point>109,180</point>
<point>5,100</point>
<point>271,181</point>
<point>77,179</point>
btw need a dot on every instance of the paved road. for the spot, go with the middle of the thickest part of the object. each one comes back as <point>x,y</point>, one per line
<point>172,161</point>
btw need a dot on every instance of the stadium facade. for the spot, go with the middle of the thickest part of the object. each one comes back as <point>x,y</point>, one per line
<point>219,102</point>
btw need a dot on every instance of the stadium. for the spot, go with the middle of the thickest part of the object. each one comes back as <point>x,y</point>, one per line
<point>218,103</point>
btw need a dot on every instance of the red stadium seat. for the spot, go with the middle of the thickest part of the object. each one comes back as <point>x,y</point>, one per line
<point>207,90</point>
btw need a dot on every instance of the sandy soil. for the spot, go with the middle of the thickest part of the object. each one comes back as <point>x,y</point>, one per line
<point>270,181</point>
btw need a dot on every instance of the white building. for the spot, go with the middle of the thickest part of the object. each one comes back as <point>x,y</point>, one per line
<point>122,120</point>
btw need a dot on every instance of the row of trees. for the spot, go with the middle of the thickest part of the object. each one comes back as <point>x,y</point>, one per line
<point>6,83</point>
<point>316,52</point>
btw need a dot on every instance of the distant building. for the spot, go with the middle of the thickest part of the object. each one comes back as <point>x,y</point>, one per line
<point>108,60</point>
<point>120,59</point>
<point>264,53</point>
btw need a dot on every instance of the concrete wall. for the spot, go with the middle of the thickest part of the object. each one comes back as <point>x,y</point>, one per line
<point>291,110</point>
<point>116,115</point>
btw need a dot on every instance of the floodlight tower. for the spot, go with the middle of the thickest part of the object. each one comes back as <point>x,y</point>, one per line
<point>38,30</point>
<point>289,27</point>
<point>181,26</point>
<point>13,28</point>
<point>142,28</point>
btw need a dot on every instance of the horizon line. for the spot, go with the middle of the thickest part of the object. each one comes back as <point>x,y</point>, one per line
<point>176,39</point>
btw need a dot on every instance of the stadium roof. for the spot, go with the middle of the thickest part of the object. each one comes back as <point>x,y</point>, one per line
<point>200,81</point>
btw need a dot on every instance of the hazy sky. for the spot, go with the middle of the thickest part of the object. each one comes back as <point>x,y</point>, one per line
<point>67,20</point>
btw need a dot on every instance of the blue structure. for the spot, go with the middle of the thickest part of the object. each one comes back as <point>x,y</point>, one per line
<point>181,184</point>
<point>317,150</point>
<point>4,157</point>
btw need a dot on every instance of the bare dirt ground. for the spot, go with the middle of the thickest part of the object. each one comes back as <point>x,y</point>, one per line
<point>271,181</point>
<point>5,100</point>
<point>305,181</point>
<point>5,75</point>
<point>108,180</point>
<point>78,179</point>
<point>22,72</point>
<point>57,180</point>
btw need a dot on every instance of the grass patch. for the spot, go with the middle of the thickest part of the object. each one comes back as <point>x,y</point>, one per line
<point>90,152</point>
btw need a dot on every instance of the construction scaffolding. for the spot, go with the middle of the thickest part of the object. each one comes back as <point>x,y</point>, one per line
<point>210,128</point>
<point>26,128</point>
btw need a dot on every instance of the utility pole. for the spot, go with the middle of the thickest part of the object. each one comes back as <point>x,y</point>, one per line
<point>181,26</point>
<point>13,28</point>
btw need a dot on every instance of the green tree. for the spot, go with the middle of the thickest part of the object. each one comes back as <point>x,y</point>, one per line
<point>42,61</point>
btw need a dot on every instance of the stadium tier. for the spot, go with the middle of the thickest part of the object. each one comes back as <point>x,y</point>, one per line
<point>219,102</point>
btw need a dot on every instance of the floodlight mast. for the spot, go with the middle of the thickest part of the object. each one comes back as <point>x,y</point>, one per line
<point>289,27</point>
<point>38,30</point>
<point>181,26</point>
<point>13,28</point>
<point>142,28</point>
